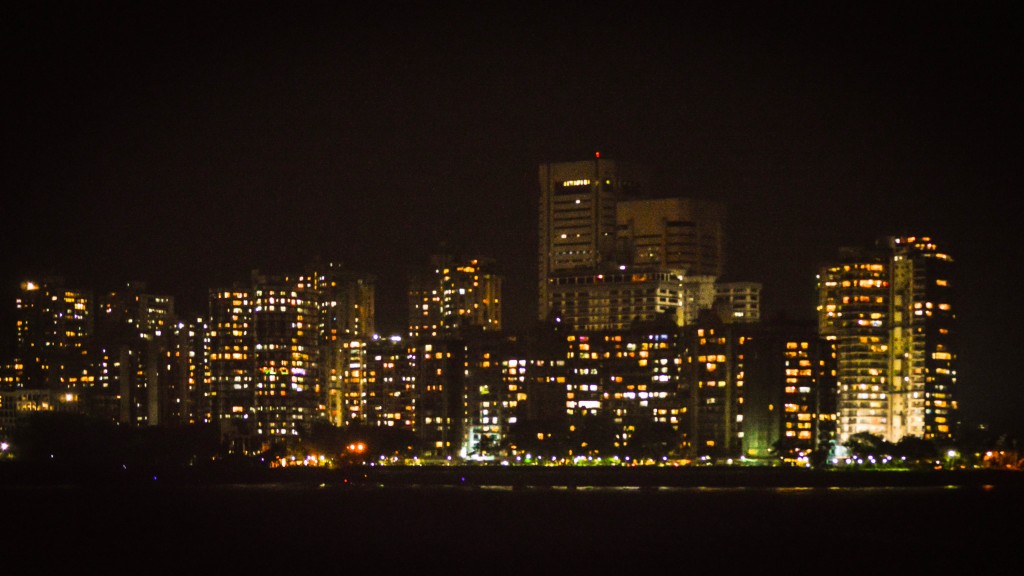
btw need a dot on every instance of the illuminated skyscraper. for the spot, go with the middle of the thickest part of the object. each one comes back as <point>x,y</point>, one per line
<point>231,363</point>
<point>54,324</point>
<point>438,368</point>
<point>284,351</point>
<point>51,367</point>
<point>924,346</point>
<point>345,303</point>
<point>388,399</point>
<point>889,310</point>
<point>285,354</point>
<point>789,408</point>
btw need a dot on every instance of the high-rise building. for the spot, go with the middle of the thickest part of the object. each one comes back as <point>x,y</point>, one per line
<point>438,370</point>
<point>199,408</point>
<point>889,308</point>
<point>714,359</point>
<point>578,226</point>
<point>140,354</point>
<point>346,301</point>
<point>924,345</point>
<point>455,294</point>
<point>286,351</point>
<point>54,324</point>
<point>495,373</point>
<point>285,355</point>
<point>375,388</point>
<point>625,392</point>
<point>387,395</point>
<point>790,392</point>
<point>231,390</point>
<point>610,253</point>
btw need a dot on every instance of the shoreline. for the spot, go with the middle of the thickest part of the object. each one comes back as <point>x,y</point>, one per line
<point>513,477</point>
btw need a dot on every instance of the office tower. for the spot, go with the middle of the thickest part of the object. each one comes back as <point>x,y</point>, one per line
<point>455,294</point>
<point>54,324</point>
<point>610,254</point>
<point>889,309</point>
<point>577,225</point>
<point>285,355</point>
<point>684,234</point>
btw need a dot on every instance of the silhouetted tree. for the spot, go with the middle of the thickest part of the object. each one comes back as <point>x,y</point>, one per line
<point>540,438</point>
<point>916,450</point>
<point>68,439</point>
<point>864,444</point>
<point>652,440</point>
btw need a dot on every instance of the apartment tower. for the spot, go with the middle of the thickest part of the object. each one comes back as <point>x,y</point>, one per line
<point>889,308</point>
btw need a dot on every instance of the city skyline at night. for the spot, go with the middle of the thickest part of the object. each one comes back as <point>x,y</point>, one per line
<point>186,147</point>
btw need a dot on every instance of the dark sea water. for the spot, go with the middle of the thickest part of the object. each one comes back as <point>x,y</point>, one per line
<point>340,529</point>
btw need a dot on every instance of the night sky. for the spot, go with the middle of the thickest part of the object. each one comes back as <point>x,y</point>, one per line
<point>185,145</point>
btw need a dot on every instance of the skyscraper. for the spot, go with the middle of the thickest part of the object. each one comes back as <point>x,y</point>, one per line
<point>611,253</point>
<point>230,356</point>
<point>286,356</point>
<point>577,226</point>
<point>889,308</point>
<point>54,324</point>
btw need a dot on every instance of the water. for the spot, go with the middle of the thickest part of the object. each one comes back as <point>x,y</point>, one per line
<point>342,529</point>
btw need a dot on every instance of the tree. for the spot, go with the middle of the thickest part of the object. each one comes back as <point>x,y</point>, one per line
<point>916,451</point>
<point>865,444</point>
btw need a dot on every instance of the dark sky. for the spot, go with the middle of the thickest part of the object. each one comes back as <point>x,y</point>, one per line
<point>186,144</point>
